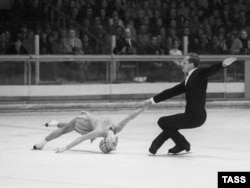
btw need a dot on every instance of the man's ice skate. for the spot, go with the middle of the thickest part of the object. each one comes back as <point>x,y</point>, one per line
<point>51,123</point>
<point>152,151</point>
<point>179,148</point>
<point>157,143</point>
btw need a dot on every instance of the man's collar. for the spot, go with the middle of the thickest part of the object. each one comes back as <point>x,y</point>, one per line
<point>191,71</point>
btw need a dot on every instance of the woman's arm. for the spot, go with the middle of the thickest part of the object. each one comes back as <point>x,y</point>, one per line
<point>92,135</point>
<point>131,116</point>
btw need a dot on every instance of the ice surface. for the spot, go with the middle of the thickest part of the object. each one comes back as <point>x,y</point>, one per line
<point>221,144</point>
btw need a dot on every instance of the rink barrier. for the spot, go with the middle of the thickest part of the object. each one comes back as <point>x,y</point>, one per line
<point>111,89</point>
<point>114,105</point>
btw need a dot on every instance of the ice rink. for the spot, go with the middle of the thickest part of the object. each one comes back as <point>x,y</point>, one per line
<point>221,144</point>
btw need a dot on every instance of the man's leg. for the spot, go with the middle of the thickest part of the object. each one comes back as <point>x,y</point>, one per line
<point>170,126</point>
<point>180,141</point>
<point>161,138</point>
<point>181,121</point>
<point>158,142</point>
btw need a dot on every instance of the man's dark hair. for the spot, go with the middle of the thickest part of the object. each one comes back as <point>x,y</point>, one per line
<point>194,58</point>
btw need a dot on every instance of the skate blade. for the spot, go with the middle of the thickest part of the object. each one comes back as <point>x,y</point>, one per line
<point>32,149</point>
<point>151,155</point>
<point>181,153</point>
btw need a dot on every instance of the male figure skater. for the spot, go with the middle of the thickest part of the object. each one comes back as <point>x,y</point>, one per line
<point>90,126</point>
<point>194,87</point>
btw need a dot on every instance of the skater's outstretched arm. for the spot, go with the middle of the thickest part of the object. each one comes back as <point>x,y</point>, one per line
<point>206,72</point>
<point>131,116</point>
<point>92,135</point>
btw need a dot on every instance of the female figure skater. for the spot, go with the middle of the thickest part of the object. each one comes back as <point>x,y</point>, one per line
<point>90,126</point>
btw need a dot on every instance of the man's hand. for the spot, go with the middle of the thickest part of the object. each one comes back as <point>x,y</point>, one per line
<point>228,61</point>
<point>60,150</point>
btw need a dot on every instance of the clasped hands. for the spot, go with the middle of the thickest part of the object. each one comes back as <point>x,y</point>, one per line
<point>146,103</point>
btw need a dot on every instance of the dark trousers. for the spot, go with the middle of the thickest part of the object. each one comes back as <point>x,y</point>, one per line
<point>171,126</point>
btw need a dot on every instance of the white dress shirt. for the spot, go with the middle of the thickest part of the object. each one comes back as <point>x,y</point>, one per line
<point>189,74</point>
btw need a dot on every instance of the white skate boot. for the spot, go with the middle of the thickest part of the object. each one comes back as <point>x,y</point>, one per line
<point>51,123</point>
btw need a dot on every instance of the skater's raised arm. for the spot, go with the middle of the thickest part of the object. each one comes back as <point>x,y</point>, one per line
<point>131,116</point>
<point>217,67</point>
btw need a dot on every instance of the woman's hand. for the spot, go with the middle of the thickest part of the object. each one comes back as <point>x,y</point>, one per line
<point>60,150</point>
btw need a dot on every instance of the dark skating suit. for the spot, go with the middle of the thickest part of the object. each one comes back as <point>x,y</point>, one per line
<point>195,112</point>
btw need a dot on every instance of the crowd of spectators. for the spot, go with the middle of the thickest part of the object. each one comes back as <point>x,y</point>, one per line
<point>150,27</point>
<point>212,26</point>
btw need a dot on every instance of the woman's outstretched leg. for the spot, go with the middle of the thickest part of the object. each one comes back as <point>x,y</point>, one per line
<point>63,128</point>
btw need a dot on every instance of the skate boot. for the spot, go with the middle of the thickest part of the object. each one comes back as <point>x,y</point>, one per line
<point>153,149</point>
<point>158,141</point>
<point>51,123</point>
<point>37,147</point>
<point>179,148</point>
